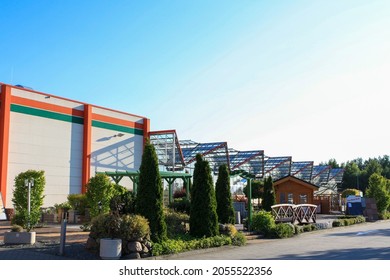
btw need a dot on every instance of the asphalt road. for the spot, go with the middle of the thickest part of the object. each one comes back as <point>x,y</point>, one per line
<point>369,241</point>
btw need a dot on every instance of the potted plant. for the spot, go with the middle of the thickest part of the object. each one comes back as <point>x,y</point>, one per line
<point>18,236</point>
<point>106,230</point>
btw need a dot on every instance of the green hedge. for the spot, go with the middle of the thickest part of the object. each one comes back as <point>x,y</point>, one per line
<point>171,246</point>
<point>263,222</point>
<point>187,243</point>
<point>283,231</point>
<point>348,220</point>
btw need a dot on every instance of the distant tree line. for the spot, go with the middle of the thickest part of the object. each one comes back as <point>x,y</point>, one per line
<point>358,171</point>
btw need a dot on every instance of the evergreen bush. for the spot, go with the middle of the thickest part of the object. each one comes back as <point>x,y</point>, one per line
<point>105,226</point>
<point>269,197</point>
<point>225,210</point>
<point>171,246</point>
<point>177,223</point>
<point>123,203</point>
<point>126,227</point>
<point>282,230</point>
<point>149,200</point>
<point>377,189</point>
<point>263,222</point>
<point>182,205</point>
<point>203,218</point>
<point>134,227</point>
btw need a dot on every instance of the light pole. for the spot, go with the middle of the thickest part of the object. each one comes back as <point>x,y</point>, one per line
<point>28,183</point>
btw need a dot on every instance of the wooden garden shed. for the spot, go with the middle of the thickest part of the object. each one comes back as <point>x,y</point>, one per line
<point>293,190</point>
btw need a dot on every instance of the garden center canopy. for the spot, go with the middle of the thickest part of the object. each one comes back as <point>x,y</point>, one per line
<point>178,155</point>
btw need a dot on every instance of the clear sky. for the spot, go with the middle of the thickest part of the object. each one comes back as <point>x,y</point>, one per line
<point>307,79</point>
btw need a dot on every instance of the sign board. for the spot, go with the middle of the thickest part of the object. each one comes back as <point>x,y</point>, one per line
<point>2,209</point>
<point>354,199</point>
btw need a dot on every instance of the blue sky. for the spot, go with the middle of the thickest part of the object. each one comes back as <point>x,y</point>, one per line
<point>308,79</point>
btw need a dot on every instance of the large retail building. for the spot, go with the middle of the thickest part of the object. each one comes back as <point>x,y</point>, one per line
<point>68,139</point>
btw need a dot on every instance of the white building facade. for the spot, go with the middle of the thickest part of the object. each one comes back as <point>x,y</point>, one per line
<point>67,139</point>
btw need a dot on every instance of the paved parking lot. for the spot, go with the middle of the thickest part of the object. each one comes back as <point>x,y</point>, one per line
<point>48,243</point>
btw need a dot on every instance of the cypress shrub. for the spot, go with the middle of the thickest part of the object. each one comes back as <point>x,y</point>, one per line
<point>223,195</point>
<point>269,197</point>
<point>149,201</point>
<point>203,217</point>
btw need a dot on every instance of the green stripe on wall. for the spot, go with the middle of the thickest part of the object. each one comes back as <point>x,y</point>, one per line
<point>116,127</point>
<point>72,119</point>
<point>46,114</point>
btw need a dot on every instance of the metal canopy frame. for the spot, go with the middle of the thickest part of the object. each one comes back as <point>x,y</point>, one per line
<point>335,178</point>
<point>320,175</point>
<point>302,170</point>
<point>336,175</point>
<point>175,155</point>
<point>277,167</point>
<point>168,150</point>
<point>169,177</point>
<point>250,161</point>
<point>215,153</point>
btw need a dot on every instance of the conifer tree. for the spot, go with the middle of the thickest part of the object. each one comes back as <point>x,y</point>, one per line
<point>149,201</point>
<point>269,197</point>
<point>225,210</point>
<point>203,217</point>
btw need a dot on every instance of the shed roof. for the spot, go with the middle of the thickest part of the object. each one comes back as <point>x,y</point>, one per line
<point>296,180</point>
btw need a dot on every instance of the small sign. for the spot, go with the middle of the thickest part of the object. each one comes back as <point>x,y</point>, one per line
<point>354,199</point>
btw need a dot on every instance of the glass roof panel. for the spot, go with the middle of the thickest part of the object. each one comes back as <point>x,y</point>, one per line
<point>277,167</point>
<point>167,149</point>
<point>250,161</point>
<point>302,170</point>
<point>336,175</point>
<point>215,153</point>
<point>320,174</point>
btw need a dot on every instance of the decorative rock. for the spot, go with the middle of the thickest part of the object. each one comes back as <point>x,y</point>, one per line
<point>145,249</point>
<point>91,244</point>
<point>134,246</point>
<point>148,245</point>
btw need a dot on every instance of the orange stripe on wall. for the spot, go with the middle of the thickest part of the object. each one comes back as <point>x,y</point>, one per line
<point>5,112</point>
<point>111,120</point>
<point>46,106</point>
<point>86,147</point>
<point>146,127</point>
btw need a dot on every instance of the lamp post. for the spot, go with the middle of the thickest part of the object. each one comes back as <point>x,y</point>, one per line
<point>28,183</point>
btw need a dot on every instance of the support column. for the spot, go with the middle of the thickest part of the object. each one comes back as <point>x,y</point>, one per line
<point>5,114</point>
<point>170,190</point>
<point>249,204</point>
<point>87,138</point>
